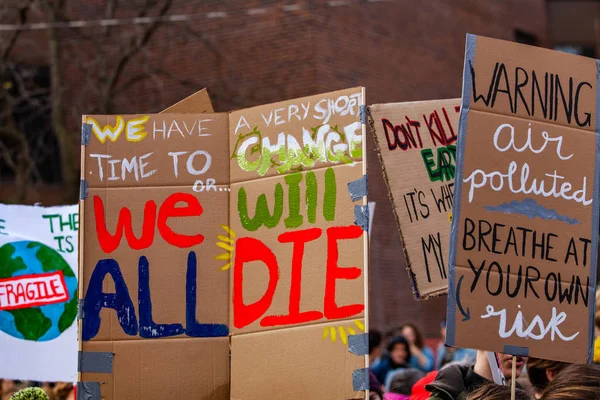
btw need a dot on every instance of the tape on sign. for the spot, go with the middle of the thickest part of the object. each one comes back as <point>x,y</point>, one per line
<point>86,133</point>
<point>361,217</point>
<point>516,351</point>
<point>80,309</point>
<point>360,379</point>
<point>88,391</point>
<point>460,149</point>
<point>95,362</point>
<point>83,189</point>
<point>358,188</point>
<point>359,344</point>
<point>363,114</point>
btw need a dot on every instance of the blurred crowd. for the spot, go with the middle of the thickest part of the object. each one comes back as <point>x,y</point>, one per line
<point>55,391</point>
<point>403,367</point>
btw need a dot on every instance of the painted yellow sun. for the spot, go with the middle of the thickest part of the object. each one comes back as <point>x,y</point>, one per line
<point>227,244</point>
<point>332,333</point>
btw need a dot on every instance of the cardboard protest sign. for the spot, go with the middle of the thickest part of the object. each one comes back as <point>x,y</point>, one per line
<point>198,102</point>
<point>38,292</point>
<point>416,144</point>
<point>524,242</point>
<point>155,302</point>
<point>186,279</point>
<point>299,273</point>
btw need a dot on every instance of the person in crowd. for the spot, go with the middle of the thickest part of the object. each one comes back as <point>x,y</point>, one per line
<point>575,382</point>
<point>597,341</point>
<point>63,391</point>
<point>422,356</point>
<point>418,390</point>
<point>491,391</point>
<point>597,330</point>
<point>397,357</point>
<point>541,372</point>
<point>400,383</point>
<point>7,388</point>
<point>374,353</point>
<point>456,381</point>
<point>506,361</point>
<point>447,355</point>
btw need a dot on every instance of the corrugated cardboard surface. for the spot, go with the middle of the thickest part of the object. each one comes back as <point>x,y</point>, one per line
<point>198,102</point>
<point>302,363</point>
<point>173,145</point>
<point>182,367</point>
<point>287,122</point>
<point>548,291</point>
<point>157,367</point>
<point>403,132</point>
<point>165,369</point>
<point>314,262</point>
<point>283,360</point>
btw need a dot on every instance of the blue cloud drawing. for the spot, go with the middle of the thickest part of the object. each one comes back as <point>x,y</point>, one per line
<point>531,209</point>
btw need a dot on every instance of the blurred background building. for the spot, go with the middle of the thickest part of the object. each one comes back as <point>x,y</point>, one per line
<point>60,59</point>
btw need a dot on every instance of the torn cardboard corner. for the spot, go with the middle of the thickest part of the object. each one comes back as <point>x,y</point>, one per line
<point>197,103</point>
<point>528,168</point>
<point>416,144</point>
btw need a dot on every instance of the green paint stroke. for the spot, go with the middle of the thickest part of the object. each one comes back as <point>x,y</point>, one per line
<point>294,219</point>
<point>261,215</point>
<point>329,198</point>
<point>68,316</point>
<point>31,322</point>
<point>51,260</point>
<point>9,264</point>
<point>311,196</point>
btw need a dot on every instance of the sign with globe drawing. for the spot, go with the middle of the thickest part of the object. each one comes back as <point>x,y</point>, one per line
<point>38,292</point>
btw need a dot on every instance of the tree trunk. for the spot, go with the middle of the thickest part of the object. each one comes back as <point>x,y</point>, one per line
<point>65,143</point>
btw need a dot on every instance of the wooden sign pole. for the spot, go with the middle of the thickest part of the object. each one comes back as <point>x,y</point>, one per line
<point>513,380</point>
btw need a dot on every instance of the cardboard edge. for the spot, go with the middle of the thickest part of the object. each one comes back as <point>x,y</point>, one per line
<point>595,225</point>
<point>366,237</point>
<point>80,254</point>
<point>183,106</point>
<point>470,46</point>
<point>413,282</point>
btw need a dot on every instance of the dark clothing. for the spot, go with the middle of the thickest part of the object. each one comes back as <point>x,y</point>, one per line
<point>374,384</point>
<point>386,364</point>
<point>454,383</point>
<point>381,369</point>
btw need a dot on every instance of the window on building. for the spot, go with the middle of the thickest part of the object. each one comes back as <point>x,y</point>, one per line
<point>25,119</point>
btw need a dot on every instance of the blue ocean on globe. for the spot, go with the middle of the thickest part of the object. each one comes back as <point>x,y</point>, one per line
<point>40,323</point>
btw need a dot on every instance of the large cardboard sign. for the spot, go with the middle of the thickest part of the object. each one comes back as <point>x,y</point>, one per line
<point>189,282</point>
<point>155,301</point>
<point>299,274</point>
<point>38,292</point>
<point>416,144</point>
<point>524,234</point>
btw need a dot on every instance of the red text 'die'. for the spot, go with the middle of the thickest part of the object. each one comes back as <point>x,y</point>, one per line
<point>32,290</point>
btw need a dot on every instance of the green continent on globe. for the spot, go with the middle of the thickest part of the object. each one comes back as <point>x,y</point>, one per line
<point>9,265</point>
<point>51,260</point>
<point>67,317</point>
<point>31,322</point>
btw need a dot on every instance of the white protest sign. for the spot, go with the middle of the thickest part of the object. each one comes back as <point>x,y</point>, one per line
<point>38,292</point>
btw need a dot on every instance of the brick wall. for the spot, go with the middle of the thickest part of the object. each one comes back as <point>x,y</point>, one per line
<point>261,52</point>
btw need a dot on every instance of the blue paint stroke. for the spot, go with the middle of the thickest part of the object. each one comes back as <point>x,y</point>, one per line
<point>531,209</point>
